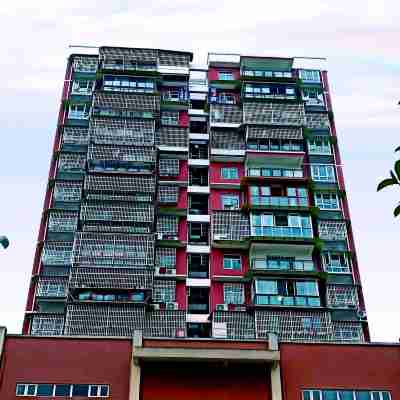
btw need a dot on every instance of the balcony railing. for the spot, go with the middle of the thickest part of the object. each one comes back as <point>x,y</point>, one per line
<point>275,172</point>
<point>262,264</point>
<point>282,232</point>
<point>279,201</point>
<point>288,301</point>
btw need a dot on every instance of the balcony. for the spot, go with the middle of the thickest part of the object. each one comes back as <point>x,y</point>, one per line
<point>278,202</point>
<point>275,145</point>
<point>225,116</point>
<point>223,60</point>
<point>285,173</point>
<point>286,301</point>
<point>282,264</point>
<point>266,68</point>
<point>269,92</point>
<point>277,232</point>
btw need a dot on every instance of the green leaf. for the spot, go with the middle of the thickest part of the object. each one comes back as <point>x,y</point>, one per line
<point>394,177</point>
<point>396,211</point>
<point>397,169</point>
<point>397,149</point>
<point>385,183</point>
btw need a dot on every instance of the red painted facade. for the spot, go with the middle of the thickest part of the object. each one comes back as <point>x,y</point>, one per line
<point>69,361</point>
<point>215,173</point>
<point>213,73</point>
<point>316,366</point>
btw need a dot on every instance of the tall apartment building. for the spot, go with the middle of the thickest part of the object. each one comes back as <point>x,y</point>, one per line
<point>196,202</point>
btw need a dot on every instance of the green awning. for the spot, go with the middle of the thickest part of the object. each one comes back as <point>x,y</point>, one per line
<point>267,63</point>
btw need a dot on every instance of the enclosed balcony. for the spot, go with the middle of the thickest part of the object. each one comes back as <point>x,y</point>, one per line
<point>230,229</point>
<point>51,288</point>
<point>128,84</point>
<point>57,254</point>
<point>74,137</point>
<point>266,68</point>
<point>313,97</point>
<point>278,197</point>
<point>317,121</point>
<point>336,262</point>
<point>225,116</point>
<point>281,258</point>
<point>227,145</point>
<point>175,96</point>
<point>288,293</point>
<point>269,91</point>
<point>47,325</point>
<point>281,226</point>
<point>332,230</point>
<point>85,64</point>
<point>67,194</point>
<point>173,138</point>
<point>82,87</point>
<point>198,266</point>
<point>221,96</point>
<point>342,296</point>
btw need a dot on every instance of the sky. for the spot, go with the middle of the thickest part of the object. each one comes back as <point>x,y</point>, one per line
<point>360,38</point>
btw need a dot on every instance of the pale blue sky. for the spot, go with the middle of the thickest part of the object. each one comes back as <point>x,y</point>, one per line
<point>359,37</point>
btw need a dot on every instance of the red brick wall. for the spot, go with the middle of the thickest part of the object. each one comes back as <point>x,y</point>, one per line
<point>339,367</point>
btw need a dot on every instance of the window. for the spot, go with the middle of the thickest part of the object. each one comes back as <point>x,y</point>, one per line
<point>335,262</point>
<point>319,145</point>
<point>170,118</point>
<point>233,263</point>
<point>26,389</point>
<point>233,293</point>
<point>62,390</point>
<point>313,96</point>
<point>229,173</point>
<point>44,390</point>
<point>230,201</point>
<point>82,87</point>
<point>309,75</point>
<point>79,111</point>
<point>327,201</point>
<point>98,390</point>
<point>323,173</point>
<point>225,75</point>
<point>80,390</point>
<point>345,394</point>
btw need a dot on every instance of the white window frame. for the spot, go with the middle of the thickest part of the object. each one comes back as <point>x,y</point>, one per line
<point>82,87</point>
<point>226,73</point>
<point>26,385</point>
<point>329,170</point>
<point>230,171</point>
<point>99,390</point>
<point>233,289</point>
<point>310,75</point>
<point>325,147</point>
<point>321,202</point>
<point>231,257</point>
<point>228,195</point>
<point>78,111</point>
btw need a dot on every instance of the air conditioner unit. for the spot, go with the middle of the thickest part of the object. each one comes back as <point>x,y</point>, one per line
<point>170,271</point>
<point>156,306</point>
<point>171,306</point>
<point>160,271</point>
<point>221,307</point>
<point>159,236</point>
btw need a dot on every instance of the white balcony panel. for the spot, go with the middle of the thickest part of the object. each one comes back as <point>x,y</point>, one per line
<point>199,162</point>
<point>223,59</point>
<point>197,113</point>
<point>198,92</point>
<point>199,136</point>
<point>198,282</point>
<point>168,69</point>
<point>174,149</point>
<point>199,189</point>
<point>310,63</point>
<point>224,125</point>
<point>198,218</point>
<point>198,249</point>
<point>227,152</point>
<point>198,318</point>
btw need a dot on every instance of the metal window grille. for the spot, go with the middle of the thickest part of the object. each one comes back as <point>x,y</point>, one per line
<point>51,287</point>
<point>230,225</point>
<point>104,319</point>
<point>119,197</point>
<point>121,154</point>
<point>230,114</point>
<point>126,101</point>
<point>167,225</point>
<point>138,132</point>
<point>317,121</point>
<point>274,113</point>
<point>168,167</point>
<point>165,323</point>
<point>63,221</point>
<point>85,64</point>
<point>172,136</point>
<point>168,194</point>
<point>119,184</point>
<point>164,291</point>
<point>128,213</point>
<point>348,332</point>
<point>111,278</point>
<point>128,57</point>
<point>166,257</point>
<point>229,140</point>
<point>332,230</point>
<point>342,296</point>
<point>67,191</point>
<point>286,133</point>
<point>47,325</point>
<point>173,59</point>
<point>57,253</point>
<point>295,326</point>
<point>102,227</point>
<point>233,293</point>
<point>239,325</point>
<point>75,135</point>
<point>71,162</point>
<point>170,118</point>
<point>118,250</point>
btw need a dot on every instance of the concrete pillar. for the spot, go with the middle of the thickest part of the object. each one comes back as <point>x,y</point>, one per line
<point>3,334</point>
<point>134,384</point>
<point>276,386</point>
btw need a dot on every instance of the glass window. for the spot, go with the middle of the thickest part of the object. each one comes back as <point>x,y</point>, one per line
<point>230,201</point>
<point>329,395</point>
<point>266,287</point>
<point>323,173</point>
<point>306,288</point>
<point>233,262</point>
<point>233,293</point>
<point>31,390</point>
<point>44,390</point>
<point>319,145</point>
<point>225,75</point>
<point>20,389</point>
<point>80,390</point>
<point>309,75</point>
<point>230,173</point>
<point>62,390</point>
<point>327,201</point>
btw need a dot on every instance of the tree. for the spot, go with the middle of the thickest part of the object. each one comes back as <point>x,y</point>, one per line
<point>4,241</point>
<point>393,180</point>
